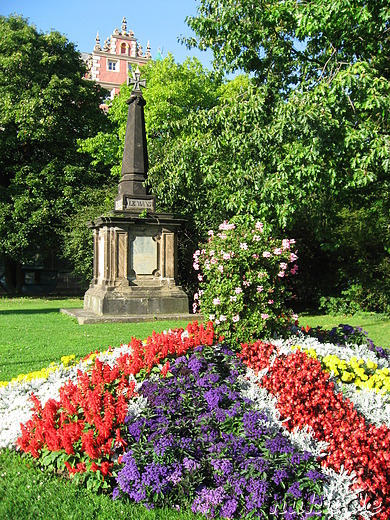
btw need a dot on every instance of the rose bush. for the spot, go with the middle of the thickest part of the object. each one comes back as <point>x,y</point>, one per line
<point>244,278</point>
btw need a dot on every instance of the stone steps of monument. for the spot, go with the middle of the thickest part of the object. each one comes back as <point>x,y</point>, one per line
<point>85,317</point>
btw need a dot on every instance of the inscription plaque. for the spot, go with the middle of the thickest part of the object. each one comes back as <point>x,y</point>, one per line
<point>130,203</point>
<point>144,255</point>
<point>138,203</point>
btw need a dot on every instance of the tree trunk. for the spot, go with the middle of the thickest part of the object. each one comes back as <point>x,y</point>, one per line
<point>14,276</point>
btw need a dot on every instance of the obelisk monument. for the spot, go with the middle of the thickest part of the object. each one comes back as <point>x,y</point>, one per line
<point>135,247</point>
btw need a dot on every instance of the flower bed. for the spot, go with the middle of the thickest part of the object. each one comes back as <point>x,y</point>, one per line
<point>165,422</point>
<point>306,397</point>
<point>83,430</point>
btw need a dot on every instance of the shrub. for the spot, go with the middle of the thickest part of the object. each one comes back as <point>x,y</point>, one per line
<point>244,277</point>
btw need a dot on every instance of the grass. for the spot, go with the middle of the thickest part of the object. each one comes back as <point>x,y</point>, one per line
<point>376,325</point>
<point>28,493</point>
<point>33,333</point>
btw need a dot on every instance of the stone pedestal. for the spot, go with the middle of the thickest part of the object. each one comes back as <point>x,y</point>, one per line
<point>135,267</point>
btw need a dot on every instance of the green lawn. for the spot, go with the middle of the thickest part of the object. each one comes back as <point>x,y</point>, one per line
<point>376,325</point>
<point>28,493</point>
<point>33,333</point>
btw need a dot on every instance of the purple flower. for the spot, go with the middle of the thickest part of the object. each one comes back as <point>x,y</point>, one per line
<point>176,476</point>
<point>161,444</point>
<point>190,464</point>
<point>135,429</point>
<point>295,490</point>
<point>208,499</point>
<point>315,499</point>
<point>297,458</point>
<point>195,365</point>
<point>279,475</point>
<point>213,398</point>
<point>214,378</point>
<point>279,444</point>
<point>315,475</point>
<point>223,465</point>
<point>229,508</point>
<point>290,514</point>
<point>199,433</point>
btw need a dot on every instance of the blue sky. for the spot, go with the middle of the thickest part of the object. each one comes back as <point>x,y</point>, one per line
<point>157,21</point>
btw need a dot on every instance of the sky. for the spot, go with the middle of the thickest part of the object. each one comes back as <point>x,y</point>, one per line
<point>160,22</point>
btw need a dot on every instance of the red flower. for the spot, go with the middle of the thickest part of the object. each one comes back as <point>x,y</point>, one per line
<point>306,397</point>
<point>165,369</point>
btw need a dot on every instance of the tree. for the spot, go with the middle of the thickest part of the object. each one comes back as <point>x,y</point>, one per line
<point>45,107</point>
<point>292,41</point>
<point>325,71</point>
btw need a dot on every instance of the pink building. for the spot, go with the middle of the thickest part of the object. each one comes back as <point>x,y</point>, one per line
<point>110,65</point>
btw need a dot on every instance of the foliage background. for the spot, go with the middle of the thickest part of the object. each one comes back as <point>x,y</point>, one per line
<point>298,139</point>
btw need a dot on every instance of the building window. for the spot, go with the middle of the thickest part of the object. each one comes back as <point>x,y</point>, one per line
<point>113,65</point>
<point>123,48</point>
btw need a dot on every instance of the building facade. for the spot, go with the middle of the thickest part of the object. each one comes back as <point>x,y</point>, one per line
<point>109,65</point>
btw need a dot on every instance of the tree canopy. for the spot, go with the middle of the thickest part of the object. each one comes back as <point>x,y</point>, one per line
<point>45,107</point>
<point>324,69</point>
<point>293,41</point>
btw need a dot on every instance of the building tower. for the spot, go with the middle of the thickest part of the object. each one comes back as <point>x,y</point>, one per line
<point>109,65</point>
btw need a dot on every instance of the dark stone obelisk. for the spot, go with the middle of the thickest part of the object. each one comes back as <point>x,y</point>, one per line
<point>131,189</point>
<point>135,248</point>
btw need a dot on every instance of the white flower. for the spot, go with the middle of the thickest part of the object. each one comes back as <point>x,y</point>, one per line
<point>259,226</point>
<point>225,226</point>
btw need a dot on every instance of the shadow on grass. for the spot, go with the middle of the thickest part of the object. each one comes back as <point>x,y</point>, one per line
<point>30,311</point>
<point>28,363</point>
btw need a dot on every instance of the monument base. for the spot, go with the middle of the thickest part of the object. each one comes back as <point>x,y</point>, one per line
<point>85,317</point>
<point>136,300</point>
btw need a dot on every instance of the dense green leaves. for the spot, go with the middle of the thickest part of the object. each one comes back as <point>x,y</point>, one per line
<point>286,42</point>
<point>302,142</point>
<point>45,107</point>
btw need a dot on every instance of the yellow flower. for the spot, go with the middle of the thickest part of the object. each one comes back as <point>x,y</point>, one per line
<point>66,360</point>
<point>371,365</point>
